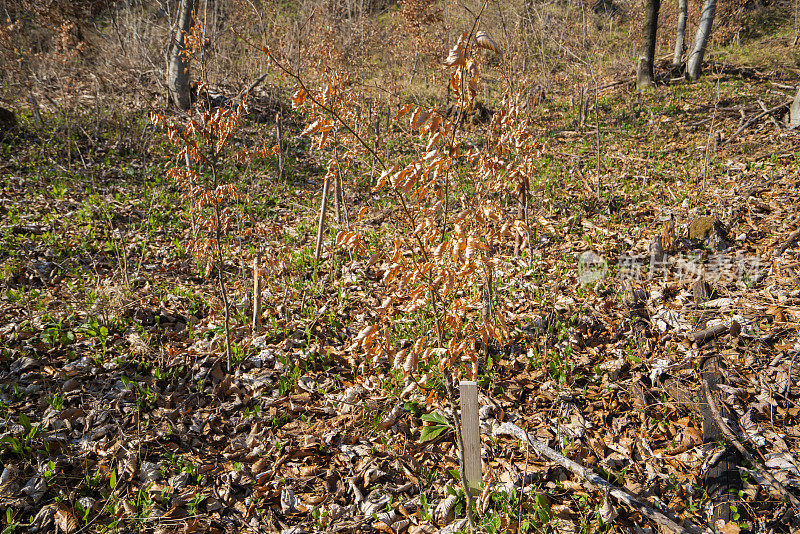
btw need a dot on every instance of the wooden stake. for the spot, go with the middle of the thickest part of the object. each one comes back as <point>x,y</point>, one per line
<point>279,135</point>
<point>470,430</point>
<point>372,180</point>
<point>256,296</point>
<point>337,197</point>
<point>321,225</point>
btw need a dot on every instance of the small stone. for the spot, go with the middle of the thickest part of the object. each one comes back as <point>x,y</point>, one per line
<point>711,231</point>
<point>702,227</point>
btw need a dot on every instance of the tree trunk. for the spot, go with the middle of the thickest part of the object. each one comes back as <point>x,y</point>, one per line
<point>695,63</point>
<point>681,37</point>
<point>177,64</point>
<point>644,72</point>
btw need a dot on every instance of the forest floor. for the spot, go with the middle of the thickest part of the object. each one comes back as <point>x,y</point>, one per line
<point>118,411</point>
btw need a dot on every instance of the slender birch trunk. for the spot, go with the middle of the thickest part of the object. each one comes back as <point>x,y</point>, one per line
<point>695,63</point>
<point>681,37</point>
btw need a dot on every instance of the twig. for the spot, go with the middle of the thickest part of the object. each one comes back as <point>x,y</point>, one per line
<point>263,76</point>
<point>627,81</point>
<point>771,118</point>
<point>116,491</point>
<point>700,123</point>
<point>319,104</point>
<point>783,86</point>
<point>791,239</point>
<point>731,437</point>
<point>462,113</point>
<point>361,141</point>
<point>754,119</point>
<point>595,480</point>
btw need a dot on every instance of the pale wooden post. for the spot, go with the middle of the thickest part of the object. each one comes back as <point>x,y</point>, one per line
<point>321,225</point>
<point>470,433</point>
<point>256,296</point>
<point>337,196</point>
<point>794,111</point>
<point>279,135</point>
<point>372,180</point>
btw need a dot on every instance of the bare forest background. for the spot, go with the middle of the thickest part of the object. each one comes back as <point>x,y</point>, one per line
<point>400,266</point>
<point>119,48</point>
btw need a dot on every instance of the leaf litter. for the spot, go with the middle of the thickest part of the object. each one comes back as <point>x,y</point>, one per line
<point>118,411</point>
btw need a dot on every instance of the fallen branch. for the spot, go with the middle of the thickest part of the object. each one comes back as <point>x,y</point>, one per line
<point>595,480</point>
<point>252,85</point>
<point>754,119</point>
<point>731,437</point>
<point>615,84</point>
<point>771,118</point>
<point>789,240</point>
<point>701,336</point>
